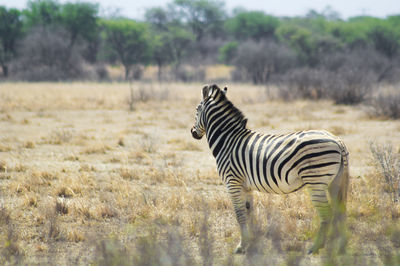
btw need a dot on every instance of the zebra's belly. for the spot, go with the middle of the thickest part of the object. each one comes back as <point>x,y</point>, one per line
<point>269,186</point>
<point>294,181</point>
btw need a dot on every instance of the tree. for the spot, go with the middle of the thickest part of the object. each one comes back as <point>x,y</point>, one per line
<point>158,18</point>
<point>162,51</point>
<point>44,55</point>
<point>160,21</point>
<point>252,25</point>
<point>227,52</point>
<point>384,40</point>
<point>300,39</point>
<point>180,40</point>
<point>129,40</point>
<point>10,31</point>
<point>204,17</point>
<point>80,21</point>
<point>171,39</point>
<point>42,13</point>
<point>394,23</point>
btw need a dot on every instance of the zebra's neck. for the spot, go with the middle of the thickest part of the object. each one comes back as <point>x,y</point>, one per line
<point>224,123</point>
<point>220,139</point>
<point>222,143</point>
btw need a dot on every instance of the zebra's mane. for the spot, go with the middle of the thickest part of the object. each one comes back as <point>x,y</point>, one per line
<point>237,114</point>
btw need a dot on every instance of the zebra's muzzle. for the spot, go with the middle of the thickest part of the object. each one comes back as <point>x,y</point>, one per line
<point>194,134</point>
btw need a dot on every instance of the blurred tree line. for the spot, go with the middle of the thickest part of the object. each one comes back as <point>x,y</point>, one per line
<point>52,41</point>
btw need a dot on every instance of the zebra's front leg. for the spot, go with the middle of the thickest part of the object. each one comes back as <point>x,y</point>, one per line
<point>249,214</point>
<point>243,205</point>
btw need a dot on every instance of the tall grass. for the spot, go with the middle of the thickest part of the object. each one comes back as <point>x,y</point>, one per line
<point>389,163</point>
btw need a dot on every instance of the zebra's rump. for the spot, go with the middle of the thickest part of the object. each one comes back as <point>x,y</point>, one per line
<point>284,163</point>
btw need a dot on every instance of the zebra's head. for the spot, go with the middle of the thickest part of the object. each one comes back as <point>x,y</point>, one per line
<point>209,93</point>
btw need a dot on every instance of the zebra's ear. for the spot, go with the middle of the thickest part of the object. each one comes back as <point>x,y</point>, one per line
<point>225,90</point>
<point>205,92</point>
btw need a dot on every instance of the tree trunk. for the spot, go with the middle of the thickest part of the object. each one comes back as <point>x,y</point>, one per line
<point>5,70</point>
<point>71,46</point>
<point>127,70</point>
<point>159,71</point>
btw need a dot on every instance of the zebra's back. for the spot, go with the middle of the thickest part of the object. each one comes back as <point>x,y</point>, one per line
<point>284,163</point>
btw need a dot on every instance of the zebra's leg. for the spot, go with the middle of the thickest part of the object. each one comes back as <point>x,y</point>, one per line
<point>338,221</point>
<point>249,214</point>
<point>238,197</point>
<point>320,201</point>
<point>337,193</point>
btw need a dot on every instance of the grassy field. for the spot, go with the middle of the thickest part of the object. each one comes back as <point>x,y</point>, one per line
<point>109,174</point>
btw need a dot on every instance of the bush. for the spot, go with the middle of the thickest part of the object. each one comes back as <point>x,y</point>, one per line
<point>189,74</point>
<point>386,105</point>
<point>350,85</point>
<point>346,86</point>
<point>389,163</point>
<point>304,83</point>
<point>145,93</point>
<point>353,73</point>
<point>258,61</point>
<point>101,72</point>
<point>45,55</point>
<point>362,59</point>
<point>205,52</point>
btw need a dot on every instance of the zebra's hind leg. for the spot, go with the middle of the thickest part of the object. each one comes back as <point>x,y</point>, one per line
<point>320,201</point>
<point>337,192</point>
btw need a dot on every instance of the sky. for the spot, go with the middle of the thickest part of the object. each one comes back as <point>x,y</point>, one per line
<point>346,8</point>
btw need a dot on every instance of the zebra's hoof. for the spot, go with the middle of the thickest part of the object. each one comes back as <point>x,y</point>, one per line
<point>240,250</point>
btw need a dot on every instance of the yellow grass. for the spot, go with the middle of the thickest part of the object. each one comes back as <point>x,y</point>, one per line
<point>76,166</point>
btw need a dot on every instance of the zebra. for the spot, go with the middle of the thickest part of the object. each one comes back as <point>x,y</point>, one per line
<point>250,161</point>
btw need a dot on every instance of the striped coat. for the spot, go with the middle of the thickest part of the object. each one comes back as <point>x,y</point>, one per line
<point>280,164</point>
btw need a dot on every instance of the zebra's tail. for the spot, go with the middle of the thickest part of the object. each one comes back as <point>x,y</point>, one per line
<point>343,176</point>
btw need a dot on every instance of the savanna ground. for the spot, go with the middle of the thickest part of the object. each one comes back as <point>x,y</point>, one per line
<point>84,179</point>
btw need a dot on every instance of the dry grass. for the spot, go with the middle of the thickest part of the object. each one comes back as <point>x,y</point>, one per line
<point>389,163</point>
<point>85,181</point>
